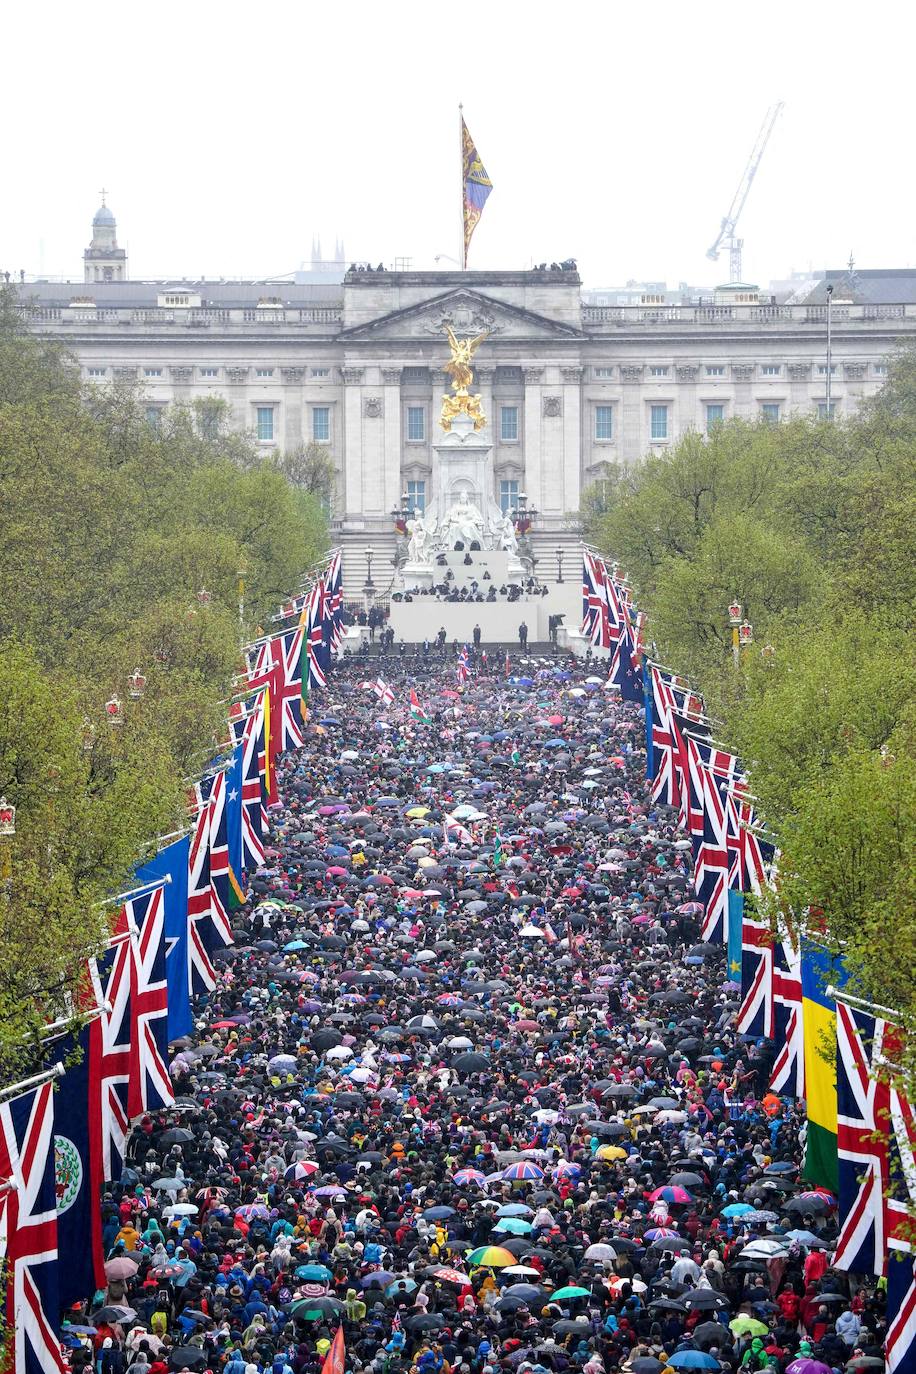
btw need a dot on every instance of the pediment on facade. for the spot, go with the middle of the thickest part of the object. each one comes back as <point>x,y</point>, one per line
<point>467,312</point>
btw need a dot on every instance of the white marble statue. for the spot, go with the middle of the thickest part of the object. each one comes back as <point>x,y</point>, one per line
<point>463,521</point>
<point>421,531</point>
<point>504,532</point>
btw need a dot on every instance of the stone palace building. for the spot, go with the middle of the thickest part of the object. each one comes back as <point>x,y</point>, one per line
<point>567,387</point>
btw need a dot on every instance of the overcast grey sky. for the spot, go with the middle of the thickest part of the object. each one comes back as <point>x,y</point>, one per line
<point>227,134</point>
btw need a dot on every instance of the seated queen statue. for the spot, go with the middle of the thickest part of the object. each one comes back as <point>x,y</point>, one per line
<point>463,522</point>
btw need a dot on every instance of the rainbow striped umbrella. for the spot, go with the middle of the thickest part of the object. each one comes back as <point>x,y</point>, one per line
<point>523,1172</point>
<point>490,1257</point>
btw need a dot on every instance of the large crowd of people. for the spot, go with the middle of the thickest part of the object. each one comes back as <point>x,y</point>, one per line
<point>472,1093</point>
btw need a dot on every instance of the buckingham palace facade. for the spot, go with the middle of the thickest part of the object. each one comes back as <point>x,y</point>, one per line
<point>567,387</point>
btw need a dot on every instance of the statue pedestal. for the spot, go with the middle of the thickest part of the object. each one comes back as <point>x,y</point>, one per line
<point>462,463</point>
<point>417,574</point>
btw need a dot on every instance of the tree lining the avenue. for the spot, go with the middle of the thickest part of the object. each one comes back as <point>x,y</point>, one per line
<point>809,525</point>
<point>123,543</point>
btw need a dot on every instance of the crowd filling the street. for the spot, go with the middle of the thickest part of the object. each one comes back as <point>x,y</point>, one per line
<point>469,1094</point>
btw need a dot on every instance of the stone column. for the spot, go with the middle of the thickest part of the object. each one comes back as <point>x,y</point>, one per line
<point>393,482</point>
<point>238,378</point>
<point>483,384</point>
<point>687,374</point>
<point>532,441</point>
<point>553,456</point>
<point>352,446</point>
<point>292,406</point>
<point>799,375</point>
<point>633,439</point>
<point>572,436</point>
<point>743,377</point>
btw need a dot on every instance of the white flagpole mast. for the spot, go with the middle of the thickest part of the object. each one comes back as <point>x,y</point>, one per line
<point>462,249</point>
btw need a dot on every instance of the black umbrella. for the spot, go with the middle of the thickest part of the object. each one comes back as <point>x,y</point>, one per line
<point>425,1321</point>
<point>471,1062</point>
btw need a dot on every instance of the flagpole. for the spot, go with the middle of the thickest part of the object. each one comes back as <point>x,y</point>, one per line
<point>47,1076</point>
<point>462,247</point>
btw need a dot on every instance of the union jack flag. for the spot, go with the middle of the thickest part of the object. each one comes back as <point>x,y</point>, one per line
<point>900,1339</point>
<point>788,1072</point>
<point>314,616</point>
<point>864,1136</point>
<point>707,827</point>
<point>219,860</point>
<point>149,1085</point>
<point>746,852</point>
<point>286,657</point>
<point>756,1015</point>
<point>676,712</point>
<point>333,582</point>
<point>110,1048</point>
<point>202,938</point>
<point>463,669</point>
<point>594,599</point>
<point>28,1230</point>
<point>249,732</point>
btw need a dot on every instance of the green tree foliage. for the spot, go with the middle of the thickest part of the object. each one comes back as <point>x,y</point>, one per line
<point>109,528</point>
<point>809,524</point>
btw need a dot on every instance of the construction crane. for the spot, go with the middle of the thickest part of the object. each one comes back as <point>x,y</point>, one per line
<point>727,236</point>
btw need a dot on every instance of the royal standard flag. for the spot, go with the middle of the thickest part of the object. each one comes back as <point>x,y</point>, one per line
<point>477,186</point>
<point>820,970</point>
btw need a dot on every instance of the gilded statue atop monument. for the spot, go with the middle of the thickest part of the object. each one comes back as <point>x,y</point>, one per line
<point>459,369</point>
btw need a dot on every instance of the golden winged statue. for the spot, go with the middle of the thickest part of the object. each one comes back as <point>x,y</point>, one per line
<point>459,369</point>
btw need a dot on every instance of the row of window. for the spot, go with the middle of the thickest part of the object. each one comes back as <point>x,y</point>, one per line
<point>658,371</point>
<point>508,495</point>
<point>210,373</point>
<point>265,424</point>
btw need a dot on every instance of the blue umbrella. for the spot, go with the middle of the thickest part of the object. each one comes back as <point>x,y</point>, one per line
<point>555,744</point>
<point>296,944</point>
<point>692,1359</point>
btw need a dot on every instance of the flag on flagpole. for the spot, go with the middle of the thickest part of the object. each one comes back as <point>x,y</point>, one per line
<point>149,1087</point>
<point>202,936</point>
<point>416,710</point>
<point>476,187</point>
<point>819,970</point>
<point>508,664</point>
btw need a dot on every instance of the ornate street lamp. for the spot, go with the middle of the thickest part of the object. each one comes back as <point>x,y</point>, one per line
<point>559,556</point>
<point>136,685</point>
<point>734,619</point>
<point>745,633</point>
<point>204,597</point>
<point>7,819</point>
<point>114,711</point>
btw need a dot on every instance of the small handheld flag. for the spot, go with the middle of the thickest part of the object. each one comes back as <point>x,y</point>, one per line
<point>383,692</point>
<point>463,670</point>
<point>416,710</point>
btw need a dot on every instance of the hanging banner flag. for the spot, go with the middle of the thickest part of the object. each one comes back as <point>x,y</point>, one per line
<point>172,863</point>
<point>820,970</point>
<point>28,1231</point>
<point>78,1172</point>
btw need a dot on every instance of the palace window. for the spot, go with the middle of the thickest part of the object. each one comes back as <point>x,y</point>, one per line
<point>601,374</point>
<point>658,422</point>
<point>154,417</point>
<point>822,369</point>
<point>263,372</point>
<point>604,422</point>
<point>321,424</point>
<point>265,422</point>
<point>97,371</point>
<point>416,495</point>
<point>321,372</point>
<point>209,372</point>
<point>771,370</point>
<point>416,424</point>
<point>825,411</point>
<point>770,411</point>
<point>508,423</point>
<point>152,372</point>
<point>715,370</point>
<point>208,420</point>
<point>656,371</point>
<point>508,496</point>
<point>714,416</point>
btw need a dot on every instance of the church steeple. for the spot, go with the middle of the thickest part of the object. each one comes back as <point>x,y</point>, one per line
<point>103,260</point>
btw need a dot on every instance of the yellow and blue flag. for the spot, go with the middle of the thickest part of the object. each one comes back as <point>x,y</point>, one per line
<point>820,970</point>
<point>477,186</point>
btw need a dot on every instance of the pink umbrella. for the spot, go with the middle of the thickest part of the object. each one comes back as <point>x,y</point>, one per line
<point>670,1193</point>
<point>121,1268</point>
